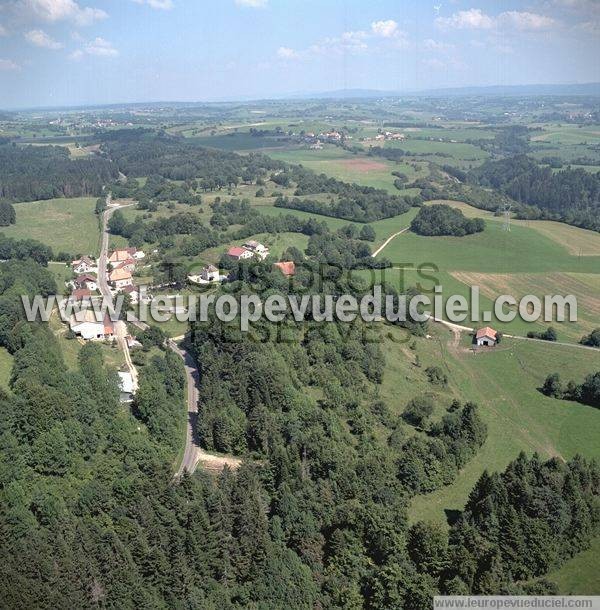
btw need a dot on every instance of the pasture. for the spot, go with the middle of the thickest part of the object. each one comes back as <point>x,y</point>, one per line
<point>342,165</point>
<point>67,225</point>
<point>504,382</point>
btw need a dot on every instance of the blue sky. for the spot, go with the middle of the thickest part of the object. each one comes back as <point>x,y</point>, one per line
<point>71,52</point>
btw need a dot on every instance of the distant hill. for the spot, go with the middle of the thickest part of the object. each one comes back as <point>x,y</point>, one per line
<point>492,91</point>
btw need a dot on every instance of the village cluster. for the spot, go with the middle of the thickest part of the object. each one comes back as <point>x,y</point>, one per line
<point>120,267</point>
<point>316,141</point>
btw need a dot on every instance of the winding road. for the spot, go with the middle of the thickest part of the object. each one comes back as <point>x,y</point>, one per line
<point>193,454</point>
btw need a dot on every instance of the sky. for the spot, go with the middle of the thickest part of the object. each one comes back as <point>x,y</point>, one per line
<point>78,52</point>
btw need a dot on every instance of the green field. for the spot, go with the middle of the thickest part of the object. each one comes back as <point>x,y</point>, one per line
<point>494,250</point>
<point>504,382</point>
<point>67,225</point>
<point>338,163</point>
<point>579,575</point>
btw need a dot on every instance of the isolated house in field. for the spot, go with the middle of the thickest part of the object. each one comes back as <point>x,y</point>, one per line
<point>86,280</point>
<point>85,325</point>
<point>85,264</point>
<point>258,249</point>
<point>238,253</point>
<point>486,337</point>
<point>126,386</point>
<point>120,278</point>
<point>288,268</point>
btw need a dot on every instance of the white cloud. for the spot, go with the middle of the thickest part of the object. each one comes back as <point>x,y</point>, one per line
<point>39,38</point>
<point>474,19</point>
<point>163,5</point>
<point>3,31</point>
<point>287,53</point>
<point>252,3</point>
<point>100,48</point>
<point>97,47</point>
<point>60,10</point>
<point>436,45</point>
<point>525,20</point>
<point>352,42</point>
<point>8,65</point>
<point>385,29</point>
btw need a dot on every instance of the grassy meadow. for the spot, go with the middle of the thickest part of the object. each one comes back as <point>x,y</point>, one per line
<point>68,225</point>
<point>504,382</point>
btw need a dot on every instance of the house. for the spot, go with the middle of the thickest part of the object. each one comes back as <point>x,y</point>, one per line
<point>288,268</point>
<point>128,265</point>
<point>257,248</point>
<point>126,386</point>
<point>81,295</point>
<point>486,336</point>
<point>210,274</point>
<point>238,253</point>
<point>86,280</point>
<point>121,255</point>
<point>85,325</point>
<point>133,293</point>
<point>120,278</point>
<point>85,264</point>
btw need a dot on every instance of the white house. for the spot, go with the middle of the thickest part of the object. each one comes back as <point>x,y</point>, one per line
<point>86,280</point>
<point>258,249</point>
<point>120,278</point>
<point>85,325</point>
<point>210,274</point>
<point>486,337</point>
<point>85,264</point>
<point>238,253</point>
<point>126,386</point>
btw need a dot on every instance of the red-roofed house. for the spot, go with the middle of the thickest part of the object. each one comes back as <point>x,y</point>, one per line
<point>486,336</point>
<point>80,294</point>
<point>86,280</point>
<point>286,267</point>
<point>238,253</point>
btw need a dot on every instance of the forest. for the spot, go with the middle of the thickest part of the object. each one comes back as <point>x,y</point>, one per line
<point>441,219</point>
<point>571,195</point>
<point>91,517</point>
<point>29,173</point>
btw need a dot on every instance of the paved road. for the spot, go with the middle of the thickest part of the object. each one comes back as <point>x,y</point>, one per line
<point>193,453</point>
<point>120,327</point>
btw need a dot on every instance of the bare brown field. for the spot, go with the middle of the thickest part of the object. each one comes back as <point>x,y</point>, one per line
<point>363,165</point>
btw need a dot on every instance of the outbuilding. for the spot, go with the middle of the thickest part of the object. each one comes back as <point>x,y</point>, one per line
<point>486,337</point>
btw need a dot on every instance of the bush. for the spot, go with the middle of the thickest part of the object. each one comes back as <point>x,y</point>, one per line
<point>418,410</point>
<point>436,375</point>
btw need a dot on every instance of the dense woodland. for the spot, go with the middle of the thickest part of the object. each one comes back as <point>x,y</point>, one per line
<point>441,219</point>
<point>570,195</point>
<point>29,173</point>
